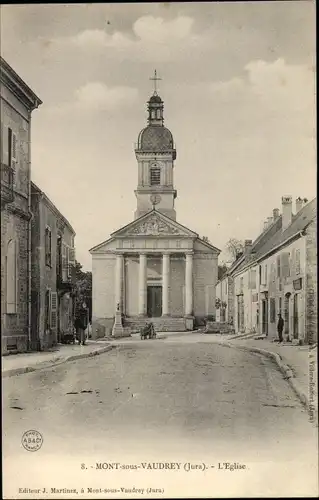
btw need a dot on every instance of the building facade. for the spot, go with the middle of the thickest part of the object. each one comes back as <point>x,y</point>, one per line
<point>154,267</point>
<point>52,273</point>
<point>17,103</point>
<point>278,275</point>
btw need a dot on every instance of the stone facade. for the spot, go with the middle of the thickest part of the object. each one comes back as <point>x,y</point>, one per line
<point>17,103</point>
<point>278,276</point>
<point>154,268</point>
<point>53,257</point>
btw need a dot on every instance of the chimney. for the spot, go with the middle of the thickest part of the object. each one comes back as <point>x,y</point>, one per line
<point>275,213</point>
<point>299,204</point>
<point>286,211</point>
<point>270,221</point>
<point>248,245</point>
<point>265,225</point>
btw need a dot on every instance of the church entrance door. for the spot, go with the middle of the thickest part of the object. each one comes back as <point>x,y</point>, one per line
<point>154,301</point>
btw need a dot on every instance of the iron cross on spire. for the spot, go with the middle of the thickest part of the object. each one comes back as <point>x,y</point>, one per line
<point>155,79</point>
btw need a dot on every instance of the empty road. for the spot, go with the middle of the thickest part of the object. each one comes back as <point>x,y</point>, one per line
<point>166,400</point>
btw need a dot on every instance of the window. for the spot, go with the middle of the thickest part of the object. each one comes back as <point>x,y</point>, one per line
<point>266,272</point>
<point>47,310</point>
<point>241,284</point>
<point>48,246</point>
<point>297,257</point>
<point>252,280</point>
<point>279,305</point>
<point>12,148</point>
<point>226,287</point>
<point>278,267</point>
<point>272,312</point>
<point>285,264</point>
<point>155,176</point>
<point>11,278</point>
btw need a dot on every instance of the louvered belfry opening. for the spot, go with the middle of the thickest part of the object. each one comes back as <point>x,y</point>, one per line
<point>155,176</point>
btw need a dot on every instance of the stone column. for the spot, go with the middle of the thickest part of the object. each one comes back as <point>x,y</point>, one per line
<point>165,283</point>
<point>189,285</point>
<point>142,285</point>
<point>118,281</point>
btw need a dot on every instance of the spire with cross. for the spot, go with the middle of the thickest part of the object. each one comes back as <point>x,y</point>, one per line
<point>155,79</point>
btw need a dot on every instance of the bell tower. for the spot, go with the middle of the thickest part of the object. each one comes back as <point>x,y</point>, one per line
<point>155,153</point>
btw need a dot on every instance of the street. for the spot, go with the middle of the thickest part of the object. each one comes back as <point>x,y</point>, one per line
<point>164,399</point>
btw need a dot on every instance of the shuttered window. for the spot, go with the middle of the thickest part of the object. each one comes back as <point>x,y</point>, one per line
<point>64,262</point>
<point>155,176</point>
<point>297,261</point>
<point>285,264</point>
<point>53,310</point>
<point>48,246</point>
<point>278,267</point>
<point>47,310</point>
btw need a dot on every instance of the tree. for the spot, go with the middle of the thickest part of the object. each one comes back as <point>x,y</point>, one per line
<point>83,287</point>
<point>222,270</point>
<point>234,248</point>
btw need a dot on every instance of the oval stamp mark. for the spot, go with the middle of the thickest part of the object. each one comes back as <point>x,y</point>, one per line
<point>32,440</point>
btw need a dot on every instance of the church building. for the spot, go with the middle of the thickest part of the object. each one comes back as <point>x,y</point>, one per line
<point>154,268</point>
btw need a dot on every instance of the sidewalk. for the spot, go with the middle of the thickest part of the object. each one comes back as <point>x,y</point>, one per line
<point>297,363</point>
<point>16,364</point>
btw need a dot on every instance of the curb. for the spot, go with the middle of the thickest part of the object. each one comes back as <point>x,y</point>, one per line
<point>285,370</point>
<point>59,361</point>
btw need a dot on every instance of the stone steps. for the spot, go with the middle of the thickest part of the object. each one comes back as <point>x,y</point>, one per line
<point>161,324</point>
<point>217,327</point>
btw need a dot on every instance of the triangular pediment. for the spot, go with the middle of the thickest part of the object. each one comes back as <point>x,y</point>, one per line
<point>154,224</point>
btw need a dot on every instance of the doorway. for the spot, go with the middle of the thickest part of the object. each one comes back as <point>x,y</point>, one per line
<point>264,315</point>
<point>154,301</point>
<point>240,313</point>
<point>296,317</point>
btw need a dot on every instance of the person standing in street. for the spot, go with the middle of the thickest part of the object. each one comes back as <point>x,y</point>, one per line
<point>80,323</point>
<point>280,327</point>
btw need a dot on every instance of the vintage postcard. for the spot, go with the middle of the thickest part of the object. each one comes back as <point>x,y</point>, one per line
<point>159,250</point>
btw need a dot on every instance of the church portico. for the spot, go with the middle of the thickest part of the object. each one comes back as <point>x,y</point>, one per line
<point>154,268</point>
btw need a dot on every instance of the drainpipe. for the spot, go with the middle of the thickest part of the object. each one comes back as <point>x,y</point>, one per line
<point>29,234</point>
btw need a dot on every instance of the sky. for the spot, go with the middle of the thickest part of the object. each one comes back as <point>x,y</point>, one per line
<point>238,84</point>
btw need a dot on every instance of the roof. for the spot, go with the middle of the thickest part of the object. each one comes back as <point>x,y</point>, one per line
<point>274,237</point>
<point>155,98</point>
<point>187,232</point>
<point>18,87</point>
<point>57,212</point>
<point>155,138</point>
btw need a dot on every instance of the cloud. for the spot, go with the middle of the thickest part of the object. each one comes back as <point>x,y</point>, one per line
<point>277,87</point>
<point>94,97</point>
<point>152,39</point>
<point>97,96</point>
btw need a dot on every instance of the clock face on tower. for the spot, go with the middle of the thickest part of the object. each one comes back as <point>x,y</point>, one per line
<point>155,199</point>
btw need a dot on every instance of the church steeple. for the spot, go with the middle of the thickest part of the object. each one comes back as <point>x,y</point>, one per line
<point>155,105</point>
<point>155,153</point>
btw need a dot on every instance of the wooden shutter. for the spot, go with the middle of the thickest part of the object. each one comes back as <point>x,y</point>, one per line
<point>285,264</point>
<point>64,262</point>
<point>14,150</point>
<point>4,144</point>
<point>297,260</point>
<point>53,310</point>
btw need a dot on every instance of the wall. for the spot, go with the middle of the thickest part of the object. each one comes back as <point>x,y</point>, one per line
<point>14,221</point>
<point>205,272</point>
<point>44,276</point>
<point>177,286</point>
<point>103,298</point>
<point>275,288</point>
